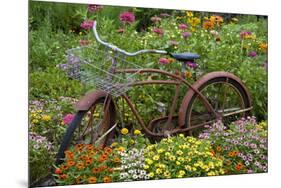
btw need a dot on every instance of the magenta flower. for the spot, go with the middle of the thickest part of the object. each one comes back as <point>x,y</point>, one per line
<point>158,31</point>
<point>87,24</point>
<point>127,17</point>
<point>84,42</point>
<point>185,35</point>
<point>182,26</point>
<point>191,64</point>
<point>163,61</point>
<point>67,119</point>
<point>94,8</point>
<point>155,19</point>
<point>252,54</point>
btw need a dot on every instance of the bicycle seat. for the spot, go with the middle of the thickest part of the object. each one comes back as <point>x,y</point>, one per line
<point>187,56</point>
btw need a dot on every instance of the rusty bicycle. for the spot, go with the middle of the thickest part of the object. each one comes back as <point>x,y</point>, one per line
<point>215,96</point>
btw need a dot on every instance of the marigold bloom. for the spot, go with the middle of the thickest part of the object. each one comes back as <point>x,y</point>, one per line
<point>124,131</point>
<point>107,179</point>
<point>92,180</point>
<point>127,17</point>
<point>208,25</point>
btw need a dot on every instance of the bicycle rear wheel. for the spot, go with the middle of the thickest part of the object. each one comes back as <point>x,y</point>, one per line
<point>226,94</point>
<point>90,126</point>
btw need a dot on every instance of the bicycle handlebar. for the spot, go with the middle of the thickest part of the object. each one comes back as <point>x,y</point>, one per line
<point>115,48</point>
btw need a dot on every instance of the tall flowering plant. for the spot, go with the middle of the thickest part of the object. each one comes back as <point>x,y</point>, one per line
<point>243,145</point>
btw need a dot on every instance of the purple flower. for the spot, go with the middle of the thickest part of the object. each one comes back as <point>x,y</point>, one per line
<point>163,61</point>
<point>191,64</point>
<point>252,54</point>
<point>250,171</point>
<point>155,19</point>
<point>67,119</point>
<point>127,17</point>
<point>185,35</point>
<point>182,26</point>
<point>158,31</point>
<point>94,8</point>
<point>87,24</point>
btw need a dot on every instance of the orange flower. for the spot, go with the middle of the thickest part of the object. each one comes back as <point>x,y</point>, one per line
<point>88,162</point>
<point>213,152</point>
<point>79,147</point>
<point>69,154</point>
<point>239,166</point>
<point>80,165</point>
<point>110,170</point>
<point>63,176</point>
<point>263,47</point>
<point>70,163</point>
<point>231,154</point>
<point>218,148</point>
<point>96,170</point>
<point>58,171</point>
<point>78,180</point>
<point>64,167</point>
<point>102,158</point>
<point>107,150</point>
<point>103,167</point>
<point>92,179</point>
<point>107,179</point>
<point>208,25</point>
<point>235,153</point>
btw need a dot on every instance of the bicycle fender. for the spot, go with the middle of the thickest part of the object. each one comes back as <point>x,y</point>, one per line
<point>88,100</point>
<point>197,85</point>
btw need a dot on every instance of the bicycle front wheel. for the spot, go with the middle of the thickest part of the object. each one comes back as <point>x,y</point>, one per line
<point>90,127</point>
<point>226,94</point>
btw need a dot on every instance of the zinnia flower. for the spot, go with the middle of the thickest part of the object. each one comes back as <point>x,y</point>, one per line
<point>137,132</point>
<point>87,24</point>
<point>68,119</point>
<point>124,131</point>
<point>163,61</point>
<point>252,54</point>
<point>158,31</point>
<point>127,17</point>
<point>191,64</point>
<point>155,19</point>
<point>92,180</point>
<point>182,26</point>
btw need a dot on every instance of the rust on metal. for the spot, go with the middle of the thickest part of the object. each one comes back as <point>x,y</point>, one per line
<point>86,101</point>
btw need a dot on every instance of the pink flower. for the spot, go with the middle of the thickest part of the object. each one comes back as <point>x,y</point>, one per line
<point>67,119</point>
<point>84,42</point>
<point>158,31</point>
<point>87,24</point>
<point>127,17</point>
<point>163,61</point>
<point>94,8</point>
<point>182,26</point>
<point>191,64</point>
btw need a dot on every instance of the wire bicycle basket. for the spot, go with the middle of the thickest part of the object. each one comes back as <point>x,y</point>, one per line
<point>96,67</point>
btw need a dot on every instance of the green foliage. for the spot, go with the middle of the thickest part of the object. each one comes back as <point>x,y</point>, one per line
<point>44,85</point>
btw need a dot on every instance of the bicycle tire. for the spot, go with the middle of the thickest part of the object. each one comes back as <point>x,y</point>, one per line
<point>220,79</point>
<point>74,125</point>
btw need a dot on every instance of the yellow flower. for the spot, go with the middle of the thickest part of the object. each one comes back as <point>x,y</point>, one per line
<point>167,174</point>
<point>158,171</point>
<point>181,135</point>
<point>35,121</point>
<point>114,144</point>
<point>178,163</point>
<point>211,173</point>
<point>80,33</point>
<point>181,172</point>
<point>46,117</point>
<point>124,131</point>
<point>187,167</point>
<point>189,13</point>
<point>149,161</point>
<point>194,21</point>
<point>160,150</point>
<point>146,166</point>
<point>132,141</point>
<point>151,174</point>
<point>263,47</point>
<point>156,158</point>
<point>96,115</point>
<point>179,152</point>
<point>137,132</point>
<point>181,159</point>
<point>121,149</point>
<point>172,158</point>
<point>234,19</point>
